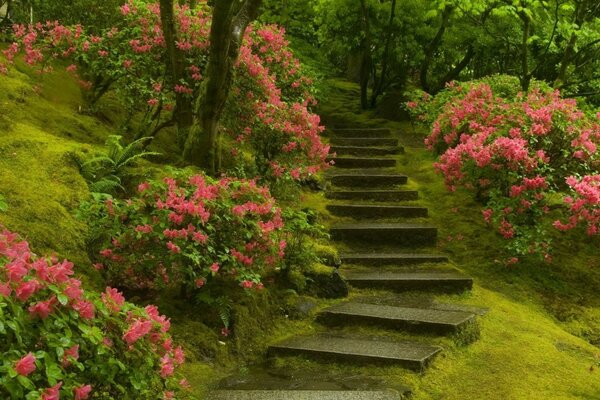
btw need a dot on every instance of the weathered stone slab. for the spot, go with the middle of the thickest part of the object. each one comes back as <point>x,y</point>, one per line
<point>425,280</point>
<point>376,211</point>
<point>391,259</point>
<point>373,195</point>
<point>338,141</point>
<point>363,162</point>
<point>302,395</point>
<point>405,318</point>
<point>367,179</point>
<point>386,233</point>
<point>361,132</point>
<point>407,354</point>
<point>366,151</point>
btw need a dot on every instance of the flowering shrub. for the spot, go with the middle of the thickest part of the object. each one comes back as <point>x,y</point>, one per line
<point>269,108</point>
<point>517,154</point>
<point>190,231</point>
<point>60,341</point>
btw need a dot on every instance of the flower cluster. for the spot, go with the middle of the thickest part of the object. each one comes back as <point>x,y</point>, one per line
<point>516,154</point>
<point>271,86</point>
<point>191,231</point>
<point>59,340</point>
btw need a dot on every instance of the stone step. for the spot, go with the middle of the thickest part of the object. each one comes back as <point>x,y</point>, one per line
<point>404,318</point>
<point>376,211</point>
<point>421,280</point>
<point>407,354</point>
<point>363,162</point>
<point>366,151</point>
<point>303,395</point>
<point>367,179</point>
<point>377,259</point>
<point>339,141</point>
<point>388,233</point>
<point>361,132</point>
<point>373,195</point>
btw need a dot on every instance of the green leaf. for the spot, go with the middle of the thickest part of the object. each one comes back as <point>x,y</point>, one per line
<point>62,299</point>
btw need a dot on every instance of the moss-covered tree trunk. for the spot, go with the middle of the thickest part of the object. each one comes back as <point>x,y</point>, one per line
<point>183,113</point>
<point>379,84</point>
<point>229,23</point>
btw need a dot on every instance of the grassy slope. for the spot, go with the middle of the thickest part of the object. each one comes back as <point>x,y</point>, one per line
<point>528,347</point>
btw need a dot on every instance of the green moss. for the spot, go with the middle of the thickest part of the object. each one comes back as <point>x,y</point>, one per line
<point>327,254</point>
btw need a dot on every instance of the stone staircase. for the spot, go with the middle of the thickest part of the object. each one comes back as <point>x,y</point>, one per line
<point>386,246</point>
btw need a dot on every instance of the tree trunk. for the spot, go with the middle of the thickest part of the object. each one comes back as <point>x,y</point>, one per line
<point>379,84</point>
<point>183,113</point>
<point>229,23</point>
<point>525,75</point>
<point>580,14</point>
<point>433,46</point>
<point>455,72</point>
<point>366,63</point>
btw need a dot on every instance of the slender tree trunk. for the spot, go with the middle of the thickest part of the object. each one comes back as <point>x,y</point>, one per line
<point>183,112</point>
<point>367,61</point>
<point>229,23</point>
<point>379,84</point>
<point>525,75</point>
<point>455,72</point>
<point>579,20</point>
<point>433,46</point>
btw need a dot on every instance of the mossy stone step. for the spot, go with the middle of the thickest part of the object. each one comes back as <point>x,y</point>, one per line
<point>373,195</point>
<point>303,395</point>
<point>378,259</point>
<point>366,151</point>
<point>363,162</point>
<point>367,179</point>
<point>361,132</point>
<point>420,280</point>
<point>389,233</point>
<point>339,141</point>
<point>407,354</point>
<point>404,318</point>
<point>376,211</point>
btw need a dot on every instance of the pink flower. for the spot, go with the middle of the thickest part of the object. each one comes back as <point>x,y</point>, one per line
<point>166,366</point>
<point>173,247</point>
<point>52,393</point>
<point>85,309</point>
<point>200,282</point>
<point>82,392</point>
<point>113,299</point>
<point>179,355</point>
<point>214,267</point>
<point>26,365</point>
<point>25,290</point>
<point>152,102</point>
<point>42,309</point>
<point>72,68</point>
<point>136,331</point>
<point>73,353</point>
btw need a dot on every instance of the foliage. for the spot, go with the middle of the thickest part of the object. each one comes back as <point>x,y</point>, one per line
<point>192,231</point>
<point>60,340</point>
<point>519,155</point>
<point>129,57</point>
<point>105,173</point>
<point>3,205</point>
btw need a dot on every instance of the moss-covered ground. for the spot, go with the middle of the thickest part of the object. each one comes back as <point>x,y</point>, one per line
<point>536,342</point>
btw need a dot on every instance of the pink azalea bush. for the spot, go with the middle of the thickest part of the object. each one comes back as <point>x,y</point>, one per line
<point>61,341</point>
<point>519,155</point>
<point>270,105</point>
<point>192,231</point>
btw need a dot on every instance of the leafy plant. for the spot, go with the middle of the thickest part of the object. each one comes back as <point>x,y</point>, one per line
<point>105,173</point>
<point>520,155</point>
<point>190,231</point>
<point>59,340</point>
<point>3,204</point>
